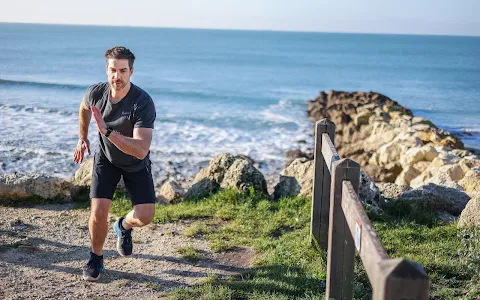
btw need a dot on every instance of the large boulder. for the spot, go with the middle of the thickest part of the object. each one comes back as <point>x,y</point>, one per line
<point>242,176</point>
<point>288,186</point>
<point>386,173</point>
<point>412,156</point>
<point>83,176</point>
<point>22,186</point>
<point>202,188</point>
<point>227,171</point>
<point>471,181</point>
<point>296,179</point>
<point>170,192</point>
<point>437,198</point>
<point>429,152</point>
<point>392,191</point>
<point>471,214</point>
<point>407,175</point>
<point>217,167</point>
<point>390,153</point>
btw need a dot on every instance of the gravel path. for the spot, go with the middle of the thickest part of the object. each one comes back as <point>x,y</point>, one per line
<point>43,250</point>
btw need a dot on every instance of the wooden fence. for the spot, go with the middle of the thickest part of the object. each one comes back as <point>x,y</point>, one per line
<point>340,225</point>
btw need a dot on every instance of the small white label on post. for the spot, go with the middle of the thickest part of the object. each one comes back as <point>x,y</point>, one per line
<point>358,235</point>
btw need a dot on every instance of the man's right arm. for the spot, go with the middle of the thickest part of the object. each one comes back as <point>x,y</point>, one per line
<point>84,117</point>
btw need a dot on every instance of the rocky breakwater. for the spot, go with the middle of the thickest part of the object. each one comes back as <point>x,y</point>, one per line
<point>417,158</point>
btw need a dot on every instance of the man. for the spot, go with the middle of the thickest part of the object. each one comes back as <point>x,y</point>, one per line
<point>124,115</point>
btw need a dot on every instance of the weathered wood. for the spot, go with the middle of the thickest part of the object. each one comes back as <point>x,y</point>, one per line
<point>329,152</point>
<point>400,279</point>
<point>341,249</point>
<point>321,186</point>
<point>365,237</point>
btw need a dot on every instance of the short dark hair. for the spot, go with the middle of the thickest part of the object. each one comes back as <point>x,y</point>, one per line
<point>120,52</point>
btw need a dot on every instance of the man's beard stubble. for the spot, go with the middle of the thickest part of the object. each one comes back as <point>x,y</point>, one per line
<point>114,86</point>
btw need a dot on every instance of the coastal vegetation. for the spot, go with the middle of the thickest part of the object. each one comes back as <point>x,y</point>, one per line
<point>288,266</point>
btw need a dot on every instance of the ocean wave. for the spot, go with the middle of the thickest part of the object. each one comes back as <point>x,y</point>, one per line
<point>283,112</point>
<point>6,82</point>
<point>35,109</point>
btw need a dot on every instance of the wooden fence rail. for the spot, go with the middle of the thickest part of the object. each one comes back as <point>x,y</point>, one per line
<point>340,226</point>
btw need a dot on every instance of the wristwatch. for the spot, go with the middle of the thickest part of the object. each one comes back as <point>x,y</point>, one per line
<point>109,130</point>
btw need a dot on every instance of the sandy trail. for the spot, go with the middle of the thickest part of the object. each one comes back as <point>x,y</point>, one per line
<point>44,248</point>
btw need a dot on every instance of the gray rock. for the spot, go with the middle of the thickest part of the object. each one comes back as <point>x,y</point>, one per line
<point>242,175</point>
<point>287,187</point>
<point>471,214</point>
<point>83,176</point>
<point>22,186</point>
<point>368,191</point>
<point>227,171</point>
<point>446,217</point>
<point>217,167</point>
<point>392,191</point>
<point>201,189</point>
<point>296,179</point>
<point>171,192</point>
<point>438,198</point>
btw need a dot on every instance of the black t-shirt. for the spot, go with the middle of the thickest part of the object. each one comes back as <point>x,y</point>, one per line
<point>135,110</point>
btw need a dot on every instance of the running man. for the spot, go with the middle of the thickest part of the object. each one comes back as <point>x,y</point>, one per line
<point>124,115</point>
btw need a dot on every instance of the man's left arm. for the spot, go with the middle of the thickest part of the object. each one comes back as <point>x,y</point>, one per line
<point>137,146</point>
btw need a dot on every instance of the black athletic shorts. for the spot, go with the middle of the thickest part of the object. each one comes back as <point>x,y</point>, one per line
<point>105,177</point>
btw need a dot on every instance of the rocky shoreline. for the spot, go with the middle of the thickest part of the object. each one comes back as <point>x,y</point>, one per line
<point>403,158</point>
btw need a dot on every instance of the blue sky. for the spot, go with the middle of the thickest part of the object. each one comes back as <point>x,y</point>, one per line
<point>451,17</point>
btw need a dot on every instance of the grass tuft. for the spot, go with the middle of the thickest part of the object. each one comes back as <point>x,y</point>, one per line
<point>190,253</point>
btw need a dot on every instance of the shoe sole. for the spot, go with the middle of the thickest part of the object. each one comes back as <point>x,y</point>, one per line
<point>89,278</point>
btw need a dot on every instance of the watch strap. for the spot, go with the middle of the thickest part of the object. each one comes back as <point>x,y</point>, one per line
<point>109,130</point>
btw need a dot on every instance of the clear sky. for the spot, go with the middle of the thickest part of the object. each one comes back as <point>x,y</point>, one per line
<point>452,17</point>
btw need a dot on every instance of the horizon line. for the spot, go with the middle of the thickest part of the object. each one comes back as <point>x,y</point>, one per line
<point>240,29</point>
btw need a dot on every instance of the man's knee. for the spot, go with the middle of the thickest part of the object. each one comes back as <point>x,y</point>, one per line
<point>146,217</point>
<point>99,209</point>
<point>144,213</point>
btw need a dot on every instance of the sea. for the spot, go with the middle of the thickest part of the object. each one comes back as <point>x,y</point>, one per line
<point>242,92</point>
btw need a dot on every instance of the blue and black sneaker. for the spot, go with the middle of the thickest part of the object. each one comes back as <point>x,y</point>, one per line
<point>94,267</point>
<point>124,238</point>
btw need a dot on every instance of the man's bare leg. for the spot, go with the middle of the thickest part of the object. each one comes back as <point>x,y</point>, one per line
<point>98,223</point>
<point>141,215</point>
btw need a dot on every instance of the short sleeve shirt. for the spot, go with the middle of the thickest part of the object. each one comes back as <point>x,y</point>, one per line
<point>135,110</point>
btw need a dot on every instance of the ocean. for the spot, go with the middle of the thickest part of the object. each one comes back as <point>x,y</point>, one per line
<point>215,91</point>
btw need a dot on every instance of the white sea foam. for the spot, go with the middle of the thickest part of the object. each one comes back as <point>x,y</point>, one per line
<point>39,140</point>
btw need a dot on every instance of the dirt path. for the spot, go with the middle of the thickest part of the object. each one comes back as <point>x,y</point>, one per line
<point>43,250</point>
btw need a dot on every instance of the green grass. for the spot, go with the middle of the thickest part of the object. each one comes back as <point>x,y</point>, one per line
<point>197,229</point>
<point>190,253</point>
<point>289,267</point>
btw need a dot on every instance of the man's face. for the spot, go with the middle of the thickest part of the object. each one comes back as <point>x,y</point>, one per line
<point>118,73</point>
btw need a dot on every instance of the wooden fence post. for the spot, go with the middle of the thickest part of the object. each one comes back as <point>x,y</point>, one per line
<point>400,279</point>
<point>321,186</point>
<point>341,248</point>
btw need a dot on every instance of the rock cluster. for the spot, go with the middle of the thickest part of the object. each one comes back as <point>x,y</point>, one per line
<point>393,146</point>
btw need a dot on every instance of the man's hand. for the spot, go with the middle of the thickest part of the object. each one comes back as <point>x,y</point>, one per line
<point>78,155</point>
<point>97,116</point>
